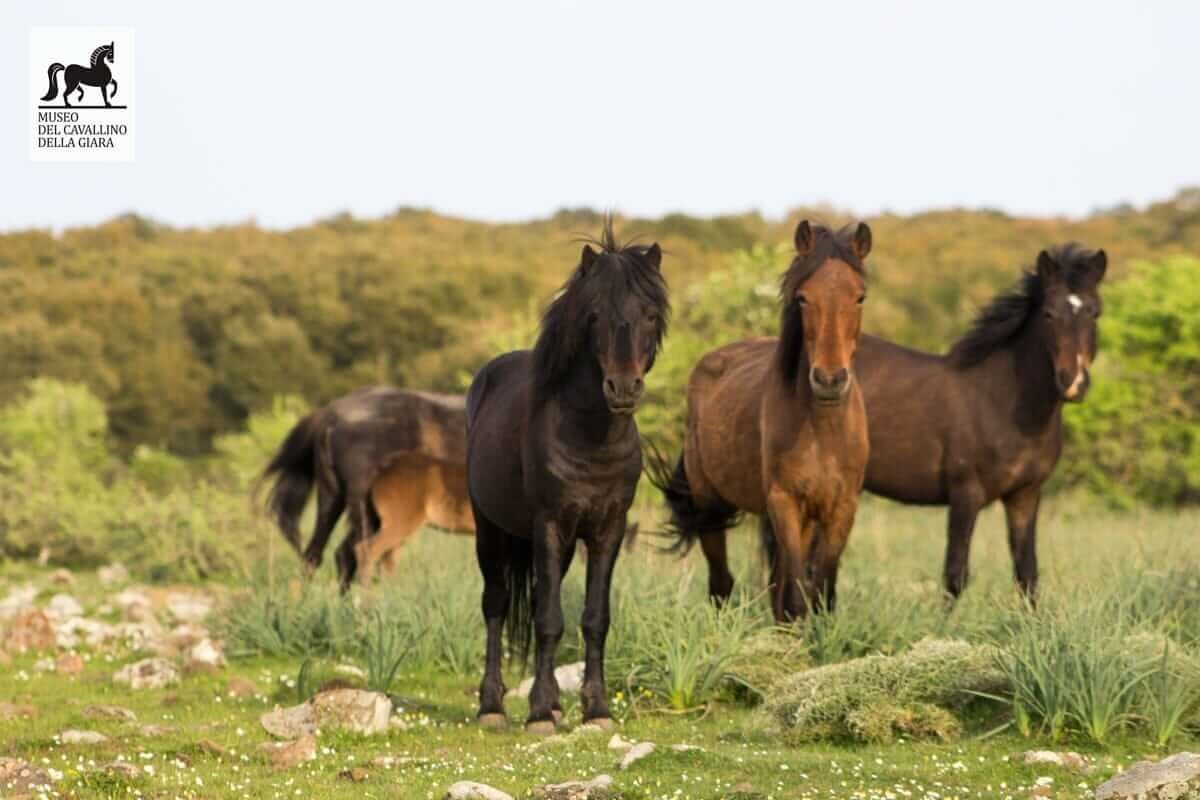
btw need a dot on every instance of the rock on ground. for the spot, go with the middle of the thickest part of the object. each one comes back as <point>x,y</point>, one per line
<point>15,710</point>
<point>19,598</point>
<point>569,678</point>
<point>113,574</point>
<point>189,607</point>
<point>203,656</point>
<point>109,712</point>
<point>21,779</point>
<point>241,687</point>
<point>63,606</point>
<point>1170,779</point>
<point>73,736</point>
<point>636,753</point>
<point>598,787</point>
<point>289,723</point>
<point>149,673</point>
<point>469,790</point>
<point>69,664</point>
<point>1070,760</point>
<point>29,629</point>
<point>353,710</point>
<point>291,754</point>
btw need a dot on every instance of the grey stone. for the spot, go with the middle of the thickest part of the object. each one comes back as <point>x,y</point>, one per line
<point>1167,779</point>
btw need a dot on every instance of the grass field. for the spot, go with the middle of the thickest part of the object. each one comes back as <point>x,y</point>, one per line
<point>678,669</point>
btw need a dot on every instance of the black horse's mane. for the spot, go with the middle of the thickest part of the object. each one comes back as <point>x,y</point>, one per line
<point>617,270</point>
<point>827,244</point>
<point>999,322</point>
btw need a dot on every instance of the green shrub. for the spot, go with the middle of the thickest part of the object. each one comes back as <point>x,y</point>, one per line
<point>1136,437</point>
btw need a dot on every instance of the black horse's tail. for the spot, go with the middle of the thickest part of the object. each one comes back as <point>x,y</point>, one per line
<point>519,623</point>
<point>294,466</point>
<point>689,520</point>
<point>52,92</point>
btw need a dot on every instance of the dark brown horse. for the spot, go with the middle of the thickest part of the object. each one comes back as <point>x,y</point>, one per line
<point>553,458</point>
<point>776,427</point>
<point>984,422</point>
<point>365,444</point>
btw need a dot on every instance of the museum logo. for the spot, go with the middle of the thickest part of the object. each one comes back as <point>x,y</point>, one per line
<point>81,82</point>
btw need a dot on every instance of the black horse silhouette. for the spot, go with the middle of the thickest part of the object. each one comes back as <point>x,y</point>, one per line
<point>98,74</point>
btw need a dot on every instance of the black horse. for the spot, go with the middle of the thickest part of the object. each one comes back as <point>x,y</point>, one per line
<point>98,74</point>
<point>553,458</point>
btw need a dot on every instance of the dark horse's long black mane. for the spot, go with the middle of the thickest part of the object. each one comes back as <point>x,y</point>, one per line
<point>826,245</point>
<point>617,270</point>
<point>1001,320</point>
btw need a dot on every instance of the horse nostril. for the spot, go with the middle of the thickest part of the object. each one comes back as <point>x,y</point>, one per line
<point>638,385</point>
<point>841,377</point>
<point>610,387</point>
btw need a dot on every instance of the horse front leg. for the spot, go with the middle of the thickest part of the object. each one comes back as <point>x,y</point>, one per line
<point>493,553</point>
<point>104,94</point>
<point>548,548</point>
<point>602,551</point>
<point>1021,511</point>
<point>965,503</point>
<point>793,538</point>
<point>827,552</point>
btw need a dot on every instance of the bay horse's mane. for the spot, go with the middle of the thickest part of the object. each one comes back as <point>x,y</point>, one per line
<point>99,51</point>
<point>827,244</point>
<point>999,322</point>
<point>617,270</point>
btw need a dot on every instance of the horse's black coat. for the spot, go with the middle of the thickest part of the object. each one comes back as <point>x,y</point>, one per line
<point>553,458</point>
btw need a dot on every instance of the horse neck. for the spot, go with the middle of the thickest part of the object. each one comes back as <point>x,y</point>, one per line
<point>1021,380</point>
<point>579,397</point>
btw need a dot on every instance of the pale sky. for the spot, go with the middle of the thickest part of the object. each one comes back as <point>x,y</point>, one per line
<point>288,112</point>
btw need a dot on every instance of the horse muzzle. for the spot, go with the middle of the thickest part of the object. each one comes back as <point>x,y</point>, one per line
<point>829,388</point>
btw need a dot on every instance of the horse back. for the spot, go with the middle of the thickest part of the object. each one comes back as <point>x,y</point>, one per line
<point>722,450</point>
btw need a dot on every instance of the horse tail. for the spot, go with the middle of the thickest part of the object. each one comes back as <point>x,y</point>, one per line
<point>519,622</point>
<point>295,470</point>
<point>52,92</point>
<point>689,520</point>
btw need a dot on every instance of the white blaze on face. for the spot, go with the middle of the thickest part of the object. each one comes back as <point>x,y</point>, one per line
<point>1081,372</point>
<point>1075,302</point>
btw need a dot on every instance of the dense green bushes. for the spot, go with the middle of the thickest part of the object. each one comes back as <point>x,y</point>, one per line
<point>63,492</point>
<point>183,333</point>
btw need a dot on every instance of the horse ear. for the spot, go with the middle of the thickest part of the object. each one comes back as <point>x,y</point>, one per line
<point>1095,266</point>
<point>586,258</point>
<point>804,238</point>
<point>862,241</point>
<point>1047,268</point>
<point>654,256</point>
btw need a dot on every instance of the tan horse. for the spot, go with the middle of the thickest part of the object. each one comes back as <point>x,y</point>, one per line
<point>414,490</point>
<point>776,427</point>
<point>384,455</point>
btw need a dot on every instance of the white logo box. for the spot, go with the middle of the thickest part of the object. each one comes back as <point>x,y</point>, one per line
<point>88,130</point>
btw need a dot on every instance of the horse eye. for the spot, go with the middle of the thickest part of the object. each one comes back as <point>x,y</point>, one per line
<point>801,300</point>
<point>862,298</point>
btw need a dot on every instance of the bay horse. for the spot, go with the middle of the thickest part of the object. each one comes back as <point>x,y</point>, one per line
<point>776,427</point>
<point>393,458</point>
<point>984,421</point>
<point>553,458</point>
<point>98,74</point>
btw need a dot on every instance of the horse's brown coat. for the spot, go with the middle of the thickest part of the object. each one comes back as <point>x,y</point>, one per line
<point>776,426</point>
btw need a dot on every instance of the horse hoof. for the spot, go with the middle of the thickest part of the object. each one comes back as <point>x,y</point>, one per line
<point>493,722</point>
<point>541,727</point>
<point>603,723</point>
<point>557,714</point>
